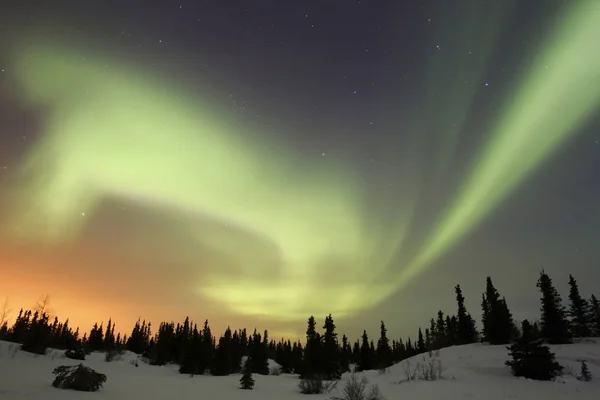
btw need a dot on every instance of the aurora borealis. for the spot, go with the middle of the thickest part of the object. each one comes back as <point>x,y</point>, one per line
<point>364,172</point>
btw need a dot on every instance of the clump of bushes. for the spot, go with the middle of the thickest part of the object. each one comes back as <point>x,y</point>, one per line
<point>356,389</point>
<point>315,384</point>
<point>75,353</point>
<point>429,370</point>
<point>78,377</point>
<point>113,355</point>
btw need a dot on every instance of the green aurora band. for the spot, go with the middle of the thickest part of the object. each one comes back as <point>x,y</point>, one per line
<point>561,92</point>
<point>119,132</point>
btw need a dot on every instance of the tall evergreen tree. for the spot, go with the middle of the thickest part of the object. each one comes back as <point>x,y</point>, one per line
<point>496,317</point>
<point>356,353</point>
<point>410,349</point>
<point>163,348</point>
<point>331,351</point>
<point>440,338</point>
<point>421,343</point>
<point>239,349</point>
<point>298,358</point>
<point>313,351</point>
<point>594,316</point>
<point>384,351</point>
<point>578,311</point>
<point>221,362</point>
<point>432,334</point>
<point>466,332</point>
<point>346,355</point>
<point>109,336</point>
<point>366,360</point>
<point>192,363</point>
<point>96,338</point>
<point>259,353</point>
<point>554,327</point>
<point>39,336</point>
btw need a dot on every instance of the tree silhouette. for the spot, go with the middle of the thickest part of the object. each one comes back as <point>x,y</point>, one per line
<point>578,311</point>
<point>553,322</point>
<point>531,359</point>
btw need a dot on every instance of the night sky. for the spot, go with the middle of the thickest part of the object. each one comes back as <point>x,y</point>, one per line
<point>256,162</point>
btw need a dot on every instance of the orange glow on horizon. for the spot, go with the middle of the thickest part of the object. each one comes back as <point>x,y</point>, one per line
<point>86,298</point>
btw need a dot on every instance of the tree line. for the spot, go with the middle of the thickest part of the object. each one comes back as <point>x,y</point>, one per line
<point>197,350</point>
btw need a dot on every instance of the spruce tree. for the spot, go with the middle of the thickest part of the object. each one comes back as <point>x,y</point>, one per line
<point>466,331</point>
<point>331,351</point>
<point>578,311</point>
<point>238,350</point>
<point>451,330</point>
<point>496,317</point>
<point>163,349</point>
<point>298,358</point>
<point>258,352</point>
<point>221,362</point>
<point>432,334</point>
<point>366,360</point>
<point>584,375</point>
<point>313,352</point>
<point>206,349</point>
<point>39,336</point>
<point>440,339</point>
<point>410,350</point>
<point>384,352</point>
<point>420,343</point>
<point>109,336</point>
<point>356,353</point>
<point>594,316</point>
<point>346,355</point>
<point>247,381</point>
<point>554,327</point>
<point>531,359</point>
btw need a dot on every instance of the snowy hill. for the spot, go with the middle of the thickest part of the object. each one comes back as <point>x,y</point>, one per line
<point>474,371</point>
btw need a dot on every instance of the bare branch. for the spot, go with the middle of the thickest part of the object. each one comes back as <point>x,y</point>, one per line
<point>4,312</point>
<point>42,306</point>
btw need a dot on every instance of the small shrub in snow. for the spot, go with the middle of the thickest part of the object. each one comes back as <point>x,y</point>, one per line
<point>409,374</point>
<point>75,353</point>
<point>567,371</point>
<point>78,377</point>
<point>14,349</point>
<point>113,355</point>
<point>316,385</point>
<point>276,371</point>
<point>356,389</point>
<point>429,370</point>
<point>585,374</point>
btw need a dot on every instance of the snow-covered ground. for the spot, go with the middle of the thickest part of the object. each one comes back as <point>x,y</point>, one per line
<point>474,371</point>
